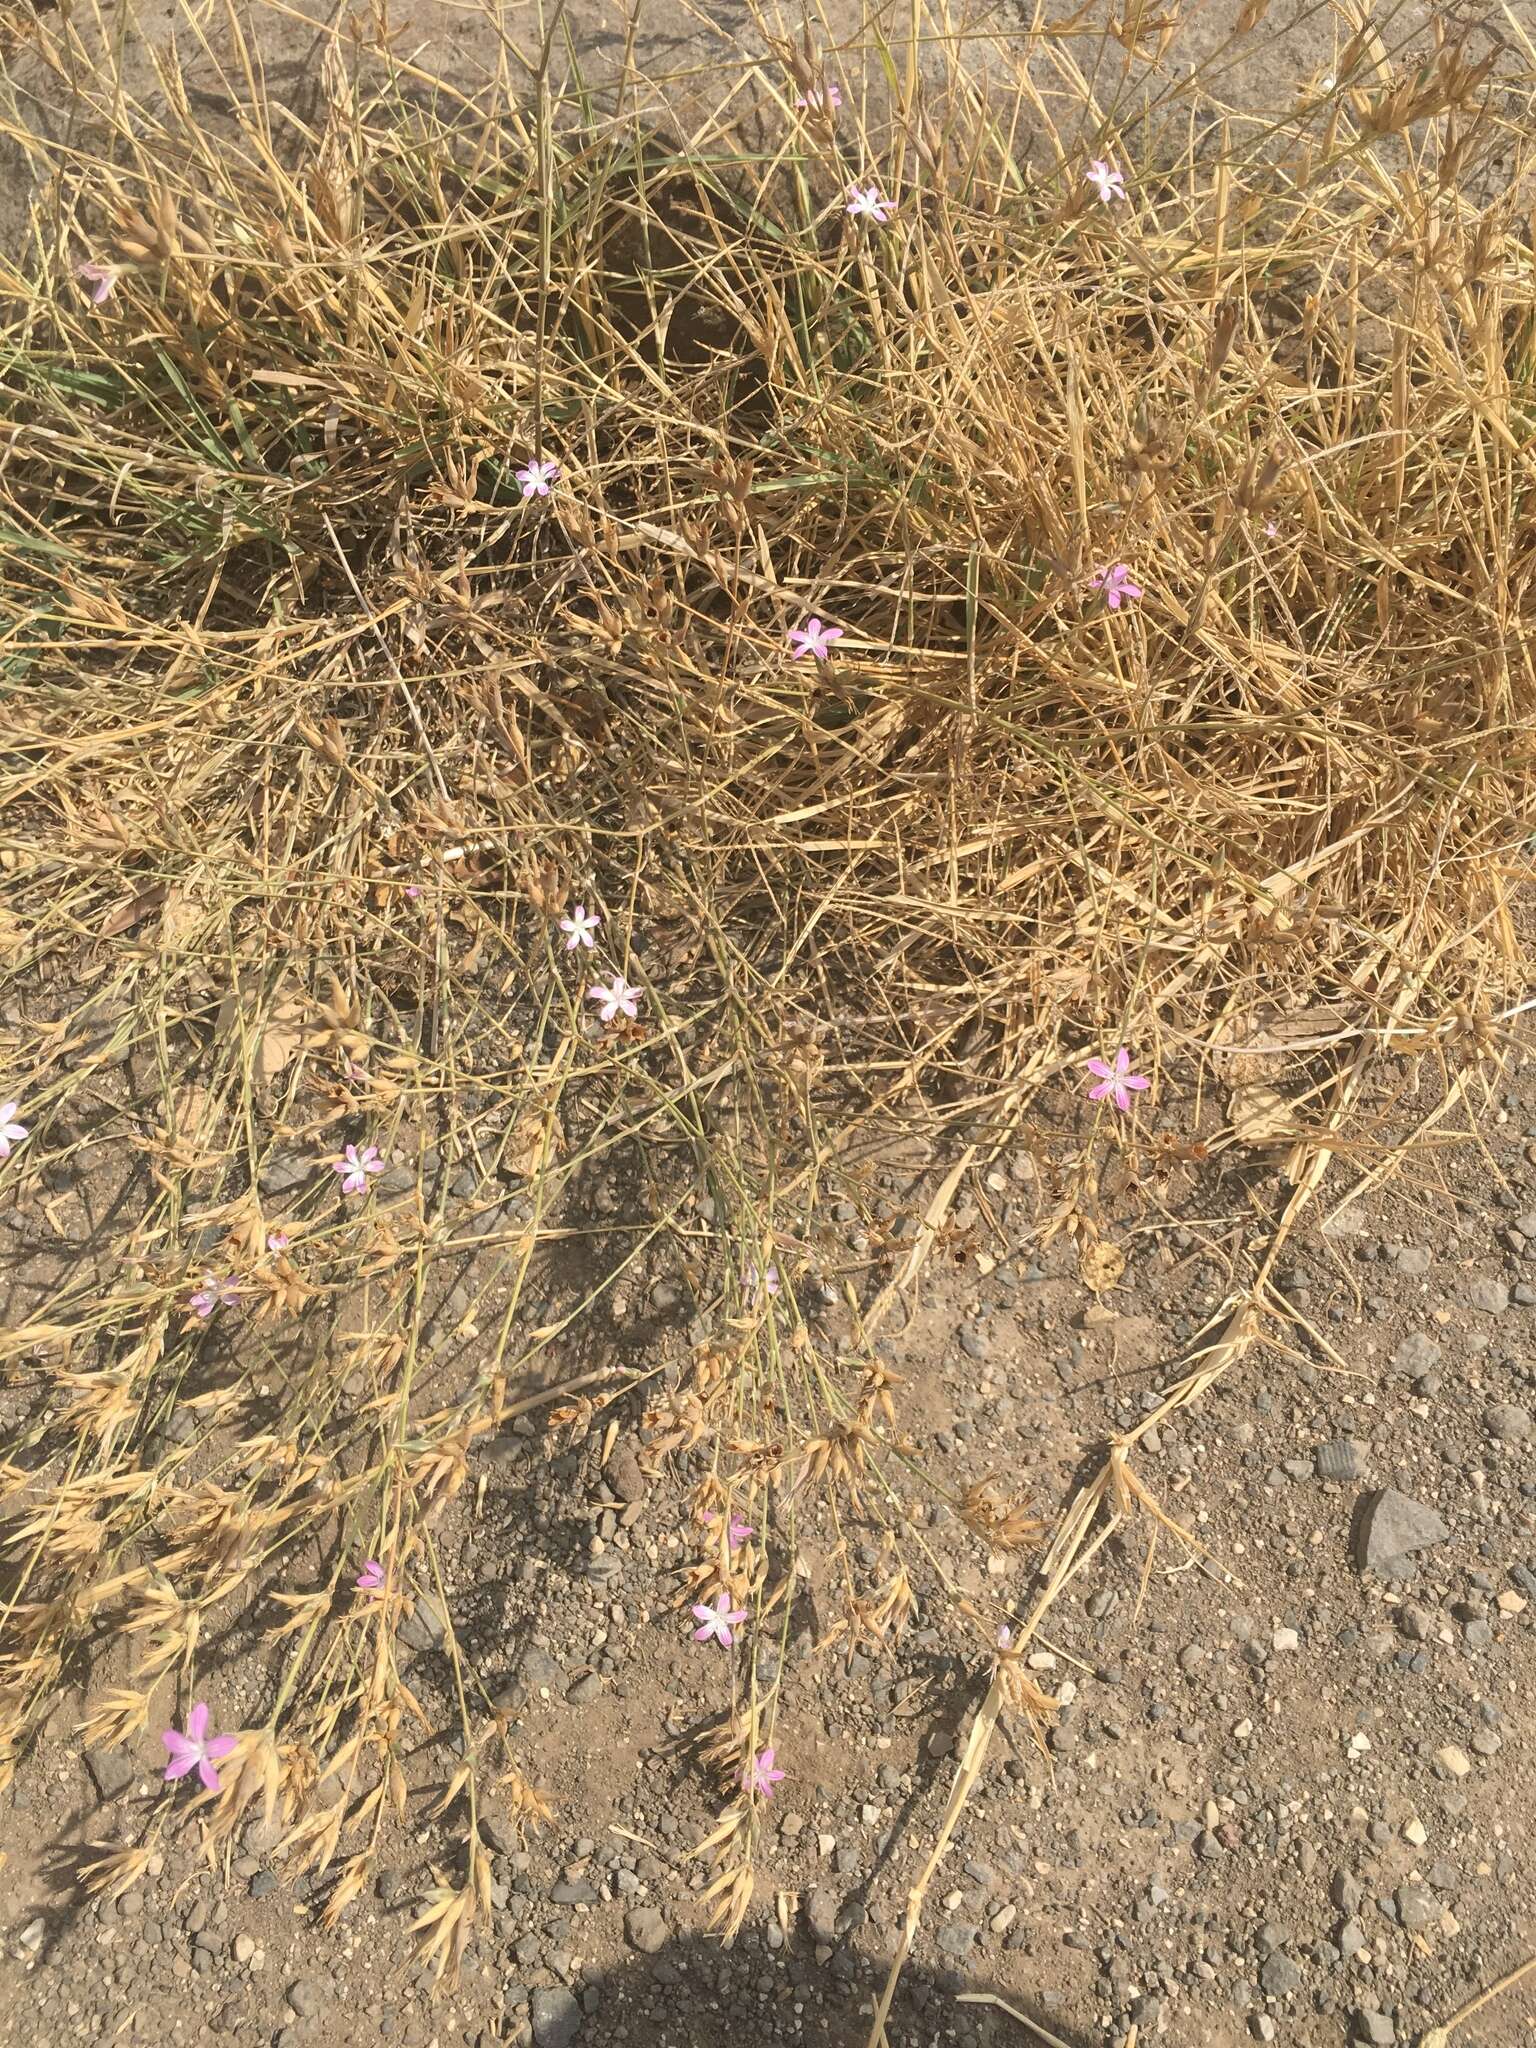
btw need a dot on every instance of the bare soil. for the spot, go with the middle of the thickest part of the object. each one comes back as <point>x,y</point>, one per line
<point>1289,1798</point>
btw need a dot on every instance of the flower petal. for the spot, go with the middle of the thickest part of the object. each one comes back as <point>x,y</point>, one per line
<point>220,1746</point>
<point>179,1766</point>
<point>209,1775</point>
<point>197,1722</point>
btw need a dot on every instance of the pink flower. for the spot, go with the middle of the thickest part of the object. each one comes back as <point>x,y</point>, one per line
<point>101,277</point>
<point>619,997</point>
<point>537,478</point>
<point>812,638</point>
<point>1005,1637</point>
<point>718,1621</point>
<point>1106,181</point>
<point>1116,1081</point>
<point>11,1132</point>
<point>760,1776</point>
<point>215,1292</point>
<point>579,927</point>
<point>769,1283</point>
<point>738,1532</point>
<point>355,1166</point>
<point>413,890</point>
<point>868,202</point>
<point>371,1577</point>
<point>829,97</point>
<point>196,1750</point>
<point>278,1240</point>
<point>1116,584</point>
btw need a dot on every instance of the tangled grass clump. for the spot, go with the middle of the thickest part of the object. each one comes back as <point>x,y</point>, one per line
<point>1181,552</point>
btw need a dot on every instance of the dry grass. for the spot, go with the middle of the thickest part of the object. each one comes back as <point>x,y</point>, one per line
<point>283,642</point>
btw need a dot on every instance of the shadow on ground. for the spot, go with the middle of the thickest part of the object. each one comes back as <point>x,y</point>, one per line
<point>697,1994</point>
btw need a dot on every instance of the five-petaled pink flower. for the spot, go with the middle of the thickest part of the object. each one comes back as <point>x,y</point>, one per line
<point>812,638</point>
<point>197,1750</point>
<point>371,1577</point>
<point>355,1166</point>
<point>760,1776</point>
<point>217,1291</point>
<point>1106,181</point>
<point>278,1240</point>
<point>819,98</point>
<point>101,277</point>
<point>718,1621</point>
<point>868,202</point>
<point>11,1132</point>
<point>1116,584</point>
<point>621,996</point>
<point>537,478</point>
<point>579,927</point>
<point>1116,1081</point>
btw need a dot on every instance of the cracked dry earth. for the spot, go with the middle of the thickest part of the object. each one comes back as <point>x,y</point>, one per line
<point>1289,1796</point>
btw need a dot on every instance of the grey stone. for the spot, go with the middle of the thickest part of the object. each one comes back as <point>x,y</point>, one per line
<point>957,1939</point>
<point>646,1929</point>
<point>1491,1296</point>
<point>623,1474</point>
<point>555,2015</point>
<point>304,1996</point>
<point>536,1668</point>
<point>1374,2028</point>
<point>1508,1422</point>
<point>1280,1976</point>
<point>1417,1907</point>
<point>1413,1261</point>
<point>112,1773</point>
<point>425,1626</point>
<point>1391,1527</point>
<point>821,1915</point>
<point>288,1170</point>
<point>585,1690</point>
<point>1346,1891</point>
<point>1415,1622</point>
<point>1340,1458</point>
<point>1417,1354</point>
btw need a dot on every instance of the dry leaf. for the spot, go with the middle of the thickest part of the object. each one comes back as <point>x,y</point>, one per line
<point>277,1026</point>
<point>1261,1115</point>
<point>1100,1263</point>
<point>133,912</point>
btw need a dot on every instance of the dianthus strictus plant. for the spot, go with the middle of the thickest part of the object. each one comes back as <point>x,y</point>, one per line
<point>532,645</point>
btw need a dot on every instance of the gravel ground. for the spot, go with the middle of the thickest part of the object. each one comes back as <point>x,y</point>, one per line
<point>1289,1796</point>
